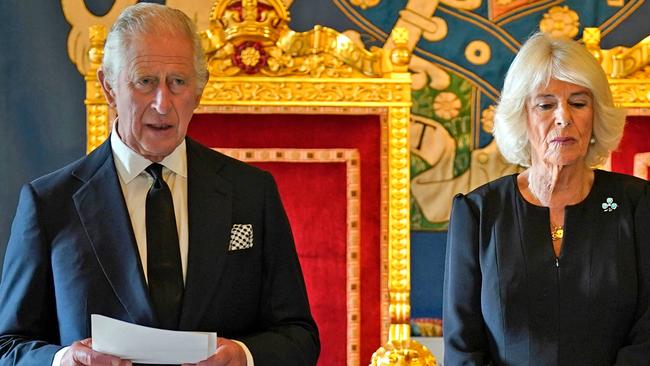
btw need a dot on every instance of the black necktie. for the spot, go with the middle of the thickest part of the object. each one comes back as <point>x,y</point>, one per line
<point>164,271</point>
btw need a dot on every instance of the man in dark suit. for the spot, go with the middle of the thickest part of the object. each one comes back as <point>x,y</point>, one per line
<point>153,228</point>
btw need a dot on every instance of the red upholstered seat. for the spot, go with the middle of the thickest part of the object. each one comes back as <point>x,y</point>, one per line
<point>316,195</point>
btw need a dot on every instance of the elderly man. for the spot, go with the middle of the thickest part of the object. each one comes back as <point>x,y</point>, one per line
<point>153,228</point>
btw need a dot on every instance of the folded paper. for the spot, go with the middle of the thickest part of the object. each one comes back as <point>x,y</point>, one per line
<point>147,345</point>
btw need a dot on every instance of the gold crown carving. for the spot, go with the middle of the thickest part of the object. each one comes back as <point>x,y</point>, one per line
<point>255,20</point>
<point>253,37</point>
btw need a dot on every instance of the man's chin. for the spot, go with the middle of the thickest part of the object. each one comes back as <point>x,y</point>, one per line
<point>157,154</point>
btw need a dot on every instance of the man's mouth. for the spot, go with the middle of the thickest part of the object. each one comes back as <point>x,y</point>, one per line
<point>160,127</point>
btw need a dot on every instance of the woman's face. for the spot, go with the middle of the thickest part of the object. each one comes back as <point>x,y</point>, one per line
<point>560,121</point>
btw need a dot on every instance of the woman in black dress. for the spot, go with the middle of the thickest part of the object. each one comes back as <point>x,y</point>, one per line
<point>551,266</point>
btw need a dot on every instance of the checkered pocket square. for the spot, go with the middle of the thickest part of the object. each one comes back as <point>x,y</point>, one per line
<point>241,236</point>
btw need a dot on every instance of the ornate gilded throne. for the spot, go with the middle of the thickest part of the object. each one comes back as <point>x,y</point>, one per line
<point>330,120</point>
<point>628,70</point>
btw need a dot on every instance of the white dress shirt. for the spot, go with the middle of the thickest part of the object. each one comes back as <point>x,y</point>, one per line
<point>135,183</point>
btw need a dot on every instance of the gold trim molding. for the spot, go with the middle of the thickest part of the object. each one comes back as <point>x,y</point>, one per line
<point>305,91</point>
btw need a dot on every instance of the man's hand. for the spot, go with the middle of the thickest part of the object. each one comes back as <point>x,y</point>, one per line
<point>81,353</point>
<point>228,353</point>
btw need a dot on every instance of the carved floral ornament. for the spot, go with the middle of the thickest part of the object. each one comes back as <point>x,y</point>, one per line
<point>304,92</point>
<point>250,57</point>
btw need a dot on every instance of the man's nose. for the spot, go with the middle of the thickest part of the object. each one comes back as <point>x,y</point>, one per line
<point>162,100</point>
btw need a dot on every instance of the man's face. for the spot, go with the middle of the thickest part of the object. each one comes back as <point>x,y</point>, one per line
<point>155,95</point>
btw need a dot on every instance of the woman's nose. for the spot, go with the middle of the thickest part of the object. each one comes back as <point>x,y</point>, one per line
<point>563,116</point>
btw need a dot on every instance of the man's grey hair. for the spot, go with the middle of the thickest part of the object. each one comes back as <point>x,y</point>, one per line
<point>539,60</point>
<point>148,18</point>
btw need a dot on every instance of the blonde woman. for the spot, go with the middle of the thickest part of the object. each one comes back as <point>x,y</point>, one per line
<point>551,266</point>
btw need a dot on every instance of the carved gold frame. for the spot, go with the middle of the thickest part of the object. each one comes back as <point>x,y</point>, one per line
<point>628,71</point>
<point>319,71</point>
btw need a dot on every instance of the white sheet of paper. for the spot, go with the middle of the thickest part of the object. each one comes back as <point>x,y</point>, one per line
<point>142,344</point>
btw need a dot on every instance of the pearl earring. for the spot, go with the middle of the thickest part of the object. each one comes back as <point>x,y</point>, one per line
<point>592,140</point>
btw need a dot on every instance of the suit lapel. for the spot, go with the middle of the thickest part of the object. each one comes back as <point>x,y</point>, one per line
<point>103,214</point>
<point>210,219</point>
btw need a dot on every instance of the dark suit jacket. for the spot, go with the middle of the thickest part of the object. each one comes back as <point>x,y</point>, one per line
<point>72,253</point>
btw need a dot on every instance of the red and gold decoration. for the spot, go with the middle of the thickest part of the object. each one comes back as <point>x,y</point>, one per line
<point>249,56</point>
<point>272,49</point>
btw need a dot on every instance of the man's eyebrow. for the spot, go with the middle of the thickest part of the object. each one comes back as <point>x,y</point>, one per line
<point>160,58</point>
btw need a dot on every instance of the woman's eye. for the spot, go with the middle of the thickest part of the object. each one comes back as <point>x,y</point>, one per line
<point>545,106</point>
<point>579,104</point>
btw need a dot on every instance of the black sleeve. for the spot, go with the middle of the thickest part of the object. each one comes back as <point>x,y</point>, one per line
<point>28,324</point>
<point>637,350</point>
<point>463,326</point>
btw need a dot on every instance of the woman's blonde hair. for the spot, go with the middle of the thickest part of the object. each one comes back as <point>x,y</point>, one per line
<point>539,60</point>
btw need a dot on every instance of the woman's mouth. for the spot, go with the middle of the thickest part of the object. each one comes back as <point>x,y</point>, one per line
<point>562,140</point>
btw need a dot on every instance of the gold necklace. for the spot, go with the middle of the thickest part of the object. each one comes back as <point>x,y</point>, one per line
<point>557,232</point>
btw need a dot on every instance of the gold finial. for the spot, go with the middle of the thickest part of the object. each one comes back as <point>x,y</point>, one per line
<point>250,9</point>
<point>97,35</point>
<point>403,353</point>
<point>400,36</point>
<point>591,40</point>
<point>400,55</point>
<point>591,36</point>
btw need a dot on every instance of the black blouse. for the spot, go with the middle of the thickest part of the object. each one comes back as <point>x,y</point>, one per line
<point>509,301</point>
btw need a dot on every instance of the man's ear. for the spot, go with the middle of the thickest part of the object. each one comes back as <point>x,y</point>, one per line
<point>107,88</point>
<point>197,101</point>
<point>200,94</point>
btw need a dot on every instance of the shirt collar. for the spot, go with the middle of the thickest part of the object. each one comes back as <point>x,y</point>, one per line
<point>130,164</point>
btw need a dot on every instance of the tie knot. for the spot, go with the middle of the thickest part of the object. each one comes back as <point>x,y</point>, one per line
<point>155,171</point>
